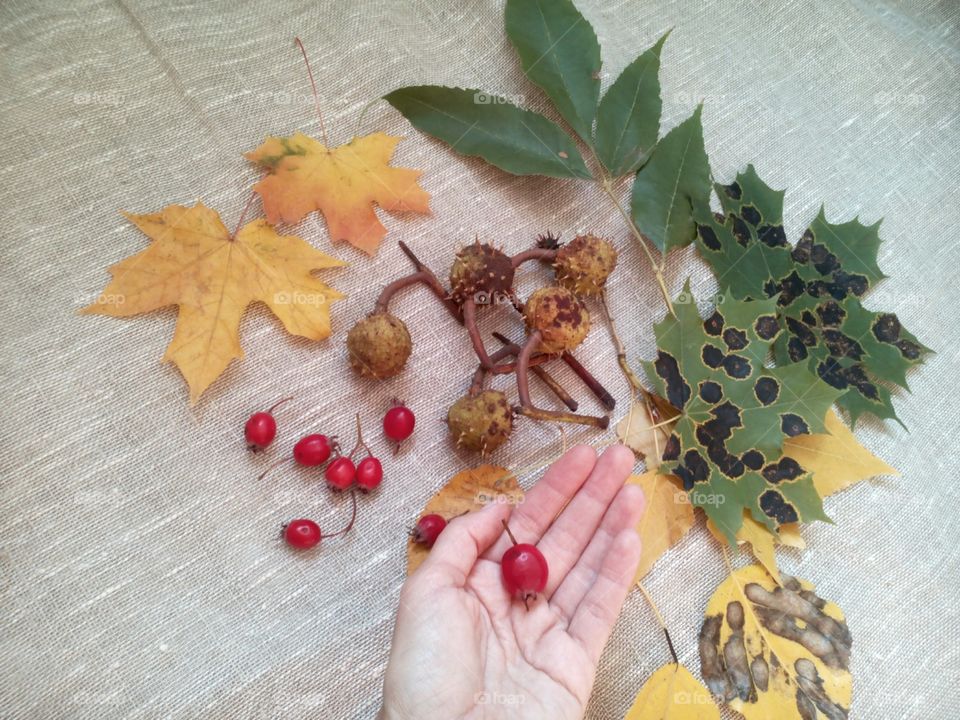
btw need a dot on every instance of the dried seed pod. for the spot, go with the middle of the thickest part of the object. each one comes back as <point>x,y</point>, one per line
<point>584,264</point>
<point>483,422</point>
<point>560,316</point>
<point>379,345</point>
<point>481,272</point>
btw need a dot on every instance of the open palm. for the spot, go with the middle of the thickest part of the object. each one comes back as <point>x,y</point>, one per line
<point>463,648</point>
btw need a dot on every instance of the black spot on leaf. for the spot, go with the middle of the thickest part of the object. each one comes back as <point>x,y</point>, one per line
<point>801,253</point>
<point>772,235</point>
<point>730,465</point>
<point>831,373</point>
<point>909,350</point>
<point>735,339</point>
<point>736,366</point>
<point>740,230</point>
<point>750,214</point>
<point>728,414</point>
<point>767,390</point>
<point>678,392</point>
<point>753,459</point>
<point>766,327</point>
<point>791,287</point>
<point>808,319</point>
<point>672,450</point>
<point>823,260</point>
<point>734,191</point>
<point>713,325</point>
<point>801,331</point>
<point>831,313</point>
<point>786,468</point>
<point>709,237</point>
<point>699,470</point>
<point>841,345</point>
<point>796,349</point>
<point>775,506</point>
<point>712,356</point>
<point>711,392</point>
<point>886,328</point>
<point>793,425</point>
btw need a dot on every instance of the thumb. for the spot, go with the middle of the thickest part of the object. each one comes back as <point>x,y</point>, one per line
<point>464,539</point>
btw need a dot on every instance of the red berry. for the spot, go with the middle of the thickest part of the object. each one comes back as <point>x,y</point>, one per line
<point>302,533</point>
<point>398,423</point>
<point>340,473</point>
<point>428,529</point>
<point>369,473</point>
<point>524,571</point>
<point>312,450</point>
<point>261,428</point>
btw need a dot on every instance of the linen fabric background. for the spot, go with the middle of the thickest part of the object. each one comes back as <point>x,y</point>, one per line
<point>142,574</point>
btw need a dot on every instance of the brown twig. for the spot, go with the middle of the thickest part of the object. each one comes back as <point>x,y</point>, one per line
<point>438,289</point>
<point>618,345</point>
<point>541,373</point>
<point>533,254</point>
<point>383,301</point>
<point>605,398</point>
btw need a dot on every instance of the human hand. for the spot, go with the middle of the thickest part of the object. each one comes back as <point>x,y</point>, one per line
<point>464,648</point>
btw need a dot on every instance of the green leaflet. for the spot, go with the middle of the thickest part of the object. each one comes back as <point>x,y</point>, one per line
<point>675,180</point>
<point>727,446</point>
<point>628,119</point>
<point>559,52</point>
<point>818,284</point>
<point>475,123</point>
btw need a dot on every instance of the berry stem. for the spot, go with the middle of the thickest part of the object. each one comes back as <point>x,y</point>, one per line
<point>277,464</point>
<point>360,442</point>
<point>527,407</point>
<point>533,254</point>
<point>316,95</point>
<point>279,403</point>
<point>510,534</point>
<point>353,516</point>
<point>541,373</point>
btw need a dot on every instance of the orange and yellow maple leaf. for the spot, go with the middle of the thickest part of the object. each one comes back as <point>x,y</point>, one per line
<point>342,183</point>
<point>194,263</point>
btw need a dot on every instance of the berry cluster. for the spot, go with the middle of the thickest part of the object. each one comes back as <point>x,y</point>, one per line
<point>341,473</point>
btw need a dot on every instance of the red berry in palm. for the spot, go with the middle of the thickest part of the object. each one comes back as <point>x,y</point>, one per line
<point>302,533</point>
<point>399,422</point>
<point>261,428</point>
<point>428,529</point>
<point>340,473</point>
<point>369,473</point>
<point>312,450</point>
<point>524,569</point>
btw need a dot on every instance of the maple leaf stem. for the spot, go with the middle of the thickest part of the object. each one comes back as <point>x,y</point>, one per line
<point>316,96</point>
<point>663,625</point>
<point>607,187</point>
<point>243,214</point>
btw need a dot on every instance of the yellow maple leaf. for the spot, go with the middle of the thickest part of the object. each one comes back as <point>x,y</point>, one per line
<point>667,517</point>
<point>837,460</point>
<point>194,263</point>
<point>342,183</point>
<point>673,693</point>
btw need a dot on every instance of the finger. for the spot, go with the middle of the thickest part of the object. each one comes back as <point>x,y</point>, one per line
<point>546,499</point>
<point>624,513</point>
<point>463,540</point>
<point>570,533</point>
<point>593,619</point>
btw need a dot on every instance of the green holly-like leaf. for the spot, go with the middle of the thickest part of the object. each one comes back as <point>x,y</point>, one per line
<point>727,445</point>
<point>559,52</point>
<point>673,182</point>
<point>475,123</point>
<point>628,119</point>
<point>817,283</point>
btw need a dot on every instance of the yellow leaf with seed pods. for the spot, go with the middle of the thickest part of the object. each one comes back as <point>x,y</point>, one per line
<point>466,491</point>
<point>673,693</point>
<point>194,263</point>
<point>667,517</point>
<point>760,540</point>
<point>775,652</point>
<point>342,183</point>
<point>836,459</point>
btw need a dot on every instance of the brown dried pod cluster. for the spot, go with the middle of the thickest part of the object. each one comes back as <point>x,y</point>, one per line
<point>556,318</point>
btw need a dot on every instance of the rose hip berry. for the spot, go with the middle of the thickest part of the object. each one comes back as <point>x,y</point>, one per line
<point>524,569</point>
<point>398,423</point>
<point>261,428</point>
<point>304,533</point>
<point>340,473</point>
<point>428,529</point>
<point>369,473</point>
<point>310,451</point>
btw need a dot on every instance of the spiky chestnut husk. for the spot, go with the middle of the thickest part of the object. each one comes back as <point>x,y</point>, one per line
<point>481,423</point>
<point>482,272</point>
<point>379,345</point>
<point>584,264</point>
<point>560,316</point>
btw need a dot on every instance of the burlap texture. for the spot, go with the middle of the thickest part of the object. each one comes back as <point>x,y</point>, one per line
<point>141,574</point>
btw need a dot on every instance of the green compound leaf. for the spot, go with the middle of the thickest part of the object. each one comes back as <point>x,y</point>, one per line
<point>727,445</point>
<point>559,52</point>
<point>629,116</point>
<point>476,123</point>
<point>675,180</point>
<point>818,284</point>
